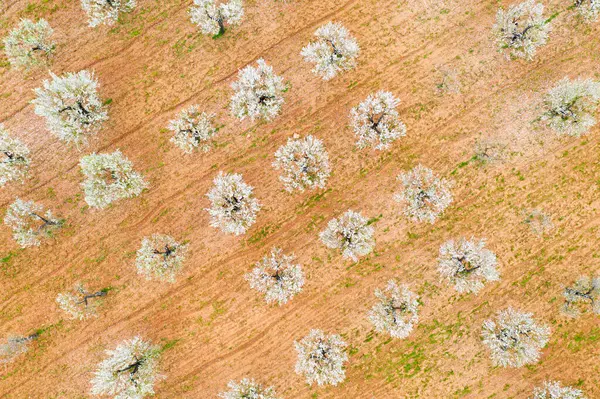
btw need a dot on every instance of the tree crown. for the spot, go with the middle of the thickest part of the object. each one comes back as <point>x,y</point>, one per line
<point>304,164</point>
<point>109,178</point>
<point>333,51</point>
<point>233,207</point>
<point>30,44</point>
<point>71,106</point>
<point>129,371</point>
<point>258,93</point>
<point>106,11</point>
<point>514,338</point>
<point>350,233</point>
<point>321,358</point>
<point>277,277</point>
<point>14,158</point>
<point>396,311</point>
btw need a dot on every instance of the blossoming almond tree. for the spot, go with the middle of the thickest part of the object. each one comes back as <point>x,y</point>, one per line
<point>583,294</point>
<point>588,9</point>
<point>193,130</point>
<point>30,44</point>
<point>129,371</point>
<point>376,122</point>
<point>521,29</point>
<point>351,234</point>
<point>258,93</point>
<point>109,178</point>
<point>29,222</point>
<point>304,164</point>
<point>538,221</point>
<point>71,106</point>
<point>248,389</point>
<point>15,346</point>
<point>211,16</point>
<point>554,390</point>
<point>277,277</point>
<point>14,158</point>
<point>80,303</point>
<point>569,107</point>
<point>321,358</point>
<point>160,258</point>
<point>106,11</point>
<point>449,82</point>
<point>467,264</point>
<point>514,338</point>
<point>333,51</point>
<point>233,207</point>
<point>424,195</point>
<point>488,150</point>
<point>396,312</point>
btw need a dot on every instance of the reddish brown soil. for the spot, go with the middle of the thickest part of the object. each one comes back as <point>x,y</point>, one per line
<point>154,62</point>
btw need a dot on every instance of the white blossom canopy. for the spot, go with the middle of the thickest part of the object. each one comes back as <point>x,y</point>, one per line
<point>277,277</point>
<point>79,303</point>
<point>29,223</point>
<point>109,178</point>
<point>258,93</point>
<point>129,371</point>
<point>467,264</point>
<point>29,44</point>
<point>160,258</point>
<point>193,130</point>
<point>521,29</point>
<point>333,51</point>
<point>211,16</point>
<point>424,195</point>
<point>514,338</point>
<point>351,234</point>
<point>106,11</point>
<point>554,390</point>
<point>248,389</point>
<point>588,9</point>
<point>569,107</point>
<point>71,106</point>
<point>396,311</point>
<point>321,358</point>
<point>14,158</point>
<point>304,164</point>
<point>376,121</point>
<point>14,347</point>
<point>233,207</point>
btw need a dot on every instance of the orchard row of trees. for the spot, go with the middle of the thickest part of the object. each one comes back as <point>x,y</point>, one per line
<point>519,31</point>
<point>74,112</point>
<point>513,338</point>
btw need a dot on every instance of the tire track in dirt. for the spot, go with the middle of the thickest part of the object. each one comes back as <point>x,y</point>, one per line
<point>139,313</point>
<point>14,113</point>
<point>133,42</point>
<point>146,30</point>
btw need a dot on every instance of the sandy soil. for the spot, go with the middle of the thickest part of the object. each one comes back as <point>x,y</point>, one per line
<point>154,62</point>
